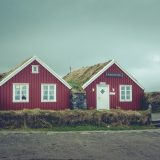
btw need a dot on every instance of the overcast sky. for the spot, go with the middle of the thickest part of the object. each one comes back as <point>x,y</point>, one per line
<point>79,33</point>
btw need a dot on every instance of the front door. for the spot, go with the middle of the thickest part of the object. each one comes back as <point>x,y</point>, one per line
<point>102,96</point>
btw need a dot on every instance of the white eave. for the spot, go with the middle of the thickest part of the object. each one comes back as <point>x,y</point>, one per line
<point>16,71</point>
<point>104,69</point>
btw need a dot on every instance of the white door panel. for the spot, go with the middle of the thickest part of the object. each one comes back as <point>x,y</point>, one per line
<point>102,96</point>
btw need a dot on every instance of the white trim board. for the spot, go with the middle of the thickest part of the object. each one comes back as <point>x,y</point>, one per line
<point>104,69</point>
<point>16,71</point>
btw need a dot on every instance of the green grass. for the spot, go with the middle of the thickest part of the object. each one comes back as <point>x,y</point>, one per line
<point>85,128</point>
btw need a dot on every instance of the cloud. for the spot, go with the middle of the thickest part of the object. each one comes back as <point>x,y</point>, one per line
<point>149,73</point>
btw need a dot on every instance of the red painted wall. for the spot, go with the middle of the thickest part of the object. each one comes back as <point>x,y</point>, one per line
<point>34,80</point>
<point>114,82</point>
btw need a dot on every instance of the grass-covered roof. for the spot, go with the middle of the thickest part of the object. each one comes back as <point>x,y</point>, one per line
<point>80,76</point>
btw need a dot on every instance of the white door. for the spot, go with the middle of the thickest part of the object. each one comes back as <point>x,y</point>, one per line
<point>102,96</point>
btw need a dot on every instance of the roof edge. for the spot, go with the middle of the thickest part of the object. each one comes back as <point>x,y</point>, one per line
<point>16,71</point>
<point>98,74</point>
<point>105,68</point>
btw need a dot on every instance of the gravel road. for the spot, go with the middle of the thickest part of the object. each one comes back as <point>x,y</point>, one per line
<point>107,145</point>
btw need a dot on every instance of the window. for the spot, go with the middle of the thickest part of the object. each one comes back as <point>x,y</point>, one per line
<point>125,93</point>
<point>35,69</point>
<point>20,93</point>
<point>48,93</point>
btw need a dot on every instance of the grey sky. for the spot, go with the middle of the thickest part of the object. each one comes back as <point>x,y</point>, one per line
<point>78,33</point>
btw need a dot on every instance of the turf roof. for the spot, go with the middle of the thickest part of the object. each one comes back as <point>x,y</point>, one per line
<point>80,76</point>
<point>4,75</point>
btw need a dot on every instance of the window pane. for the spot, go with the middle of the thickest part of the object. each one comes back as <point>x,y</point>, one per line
<point>45,93</point>
<point>45,88</point>
<point>128,92</point>
<point>51,97</point>
<point>128,97</point>
<point>17,92</point>
<point>123,93</point>
<point>45,97</point>
<point>17,87</point>
<point>122,88</point>
<point>24,87</point>
<point>51,88</point>
<point>17,97</point>
<point>123,97</point>
<point>128,88</point>
<point>51,93</point>
<point>35,68</point>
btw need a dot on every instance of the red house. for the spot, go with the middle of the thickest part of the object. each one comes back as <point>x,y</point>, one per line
<point>33,85</point>
<point>107,85</point>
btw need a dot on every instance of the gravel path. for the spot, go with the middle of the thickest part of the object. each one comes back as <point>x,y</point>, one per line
<point>107,145</point>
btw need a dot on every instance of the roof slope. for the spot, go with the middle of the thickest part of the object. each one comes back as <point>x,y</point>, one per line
<point>4,77</point>
<point>80,76</point>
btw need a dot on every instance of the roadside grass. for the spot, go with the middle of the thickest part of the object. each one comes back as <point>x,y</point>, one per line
<point>84,128</point>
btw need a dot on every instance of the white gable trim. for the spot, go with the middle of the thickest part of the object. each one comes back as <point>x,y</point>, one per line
<point>12,74</point>
<point>104,69</point>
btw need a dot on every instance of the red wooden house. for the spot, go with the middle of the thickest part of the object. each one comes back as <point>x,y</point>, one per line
<point>33,85</point>
<point>107,85</point>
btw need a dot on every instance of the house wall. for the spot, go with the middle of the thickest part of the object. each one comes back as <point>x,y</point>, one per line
<point>114,82</point>
<point>34,80</point>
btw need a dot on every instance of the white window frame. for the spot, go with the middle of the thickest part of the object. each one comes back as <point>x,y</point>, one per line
<point>27,92</point>
<point>55,93</point>
<point>37,69</point>
<point>125,100</point>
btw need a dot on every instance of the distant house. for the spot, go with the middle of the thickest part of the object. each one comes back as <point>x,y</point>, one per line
<point>107,85</point>
<point>33,85</point>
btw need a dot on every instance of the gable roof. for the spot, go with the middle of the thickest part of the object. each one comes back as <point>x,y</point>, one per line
<point>80,76</point>
<point>86,75</point>
<point>4,75</point>
<point>8,75</point>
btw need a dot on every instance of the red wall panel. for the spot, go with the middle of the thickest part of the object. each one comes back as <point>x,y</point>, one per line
<point>115,82</point>
<point>34,80</point>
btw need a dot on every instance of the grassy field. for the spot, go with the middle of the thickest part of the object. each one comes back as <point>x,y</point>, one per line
<point>85,128</point>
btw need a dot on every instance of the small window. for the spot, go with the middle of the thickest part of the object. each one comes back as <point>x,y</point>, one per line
<point>48,93</point>
<point>35,69</point>
<point>20,93</point>
<point>125,93</point>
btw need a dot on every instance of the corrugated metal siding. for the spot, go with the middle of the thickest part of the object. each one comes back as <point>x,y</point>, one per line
<point>114,82</point>
<point>34,80</point>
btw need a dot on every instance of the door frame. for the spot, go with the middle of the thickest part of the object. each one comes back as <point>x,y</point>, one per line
<point>107,85</point>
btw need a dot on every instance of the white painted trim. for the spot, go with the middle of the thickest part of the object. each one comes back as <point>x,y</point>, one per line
<point>125,100</point>
<point>55,92</point>
<point>104,69</point>
<point>12,74</point>
<point>27,92</point>
<point>108,95</point>
<point>37,69</point>
<point>129,75</point>
<point>98,74</point>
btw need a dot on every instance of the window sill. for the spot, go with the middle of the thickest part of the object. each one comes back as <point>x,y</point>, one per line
<point>20,101</point>
<point>48,101</point>
<point>125,100</point>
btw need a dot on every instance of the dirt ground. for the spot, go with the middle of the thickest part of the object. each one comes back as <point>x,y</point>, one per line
<point>109,145</point>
